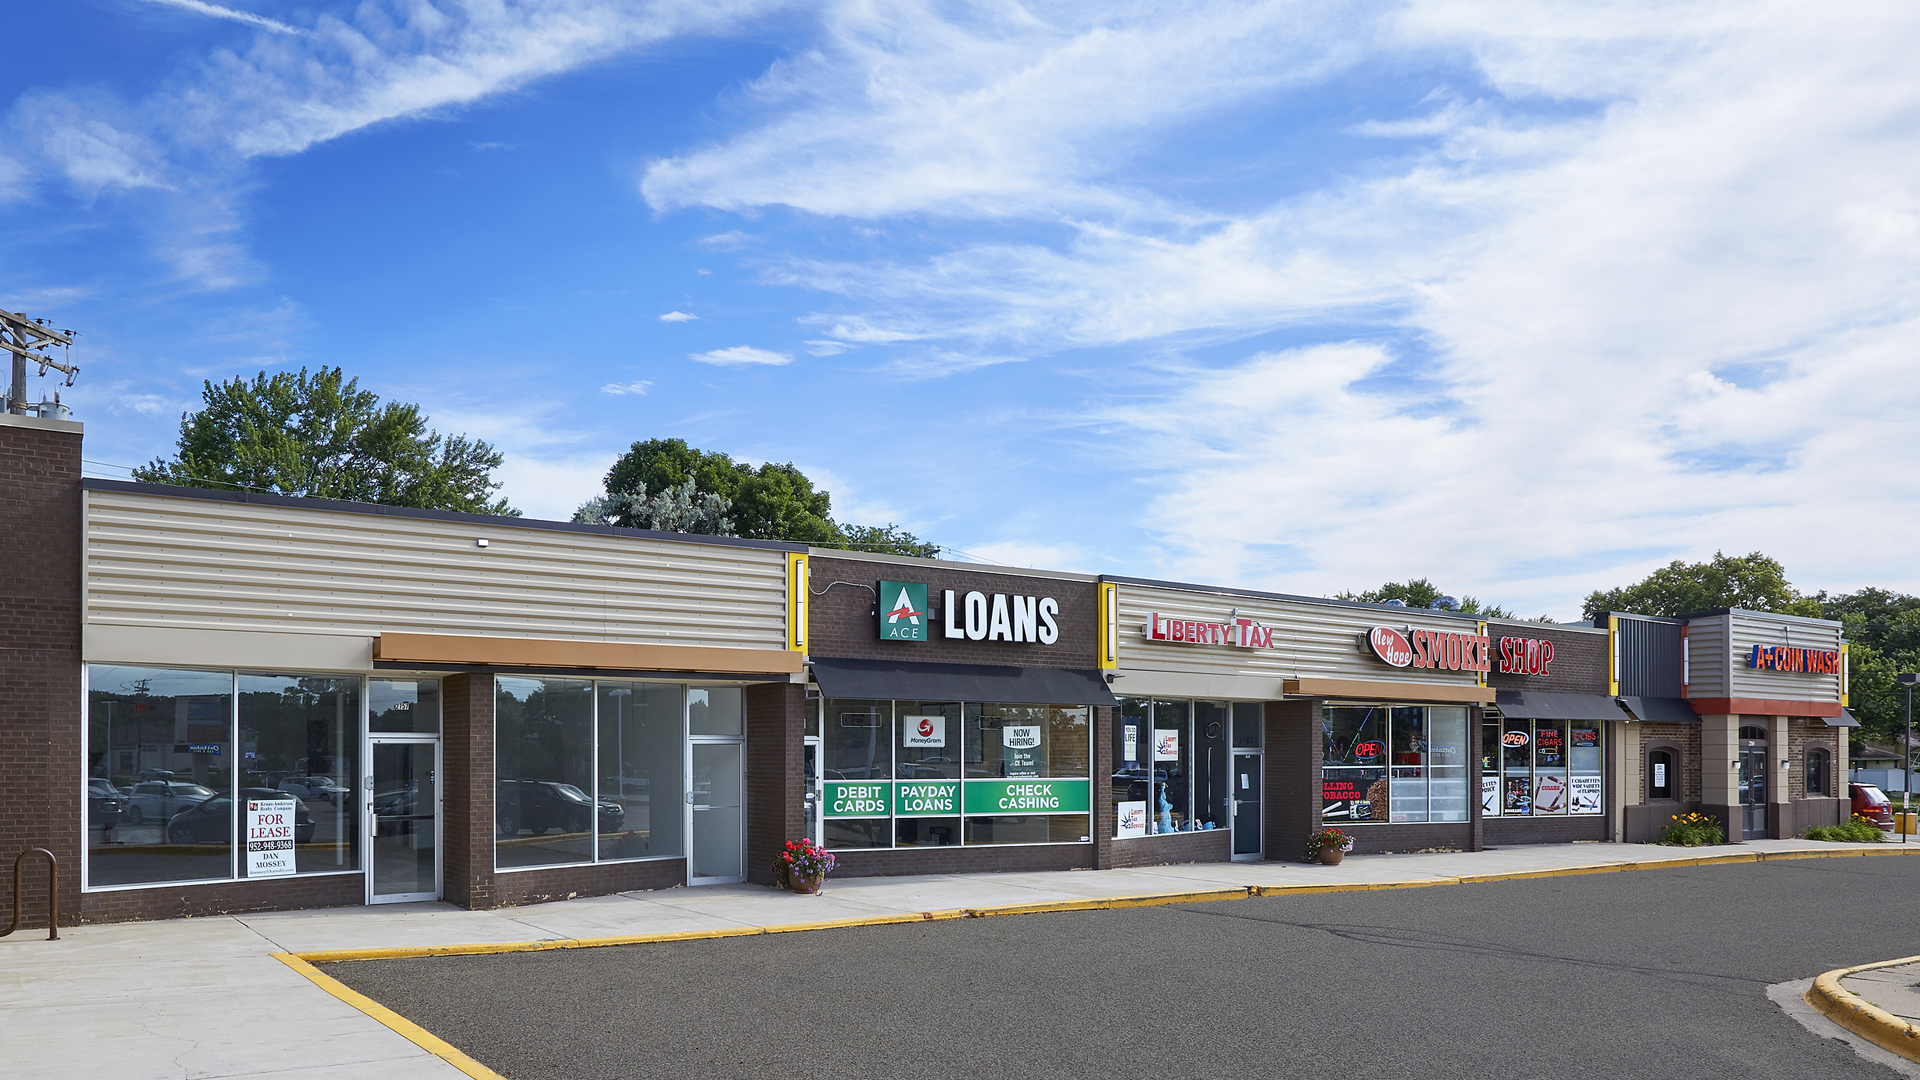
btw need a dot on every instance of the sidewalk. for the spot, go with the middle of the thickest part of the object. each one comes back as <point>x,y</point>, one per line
<point>193,998</point>
<point>1878,1002</point>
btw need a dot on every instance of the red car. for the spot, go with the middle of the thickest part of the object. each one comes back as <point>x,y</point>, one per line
<point>1871,803</point>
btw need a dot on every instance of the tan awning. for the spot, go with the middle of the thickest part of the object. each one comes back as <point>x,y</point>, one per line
<point>1370,690</point>
<point>612,655</point>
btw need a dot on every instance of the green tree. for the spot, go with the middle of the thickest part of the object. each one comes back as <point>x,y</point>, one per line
<point>772,502</point>
<point>1421,593</point>
<point>1882,628</point>
<point>320,436</point>
<point>1754,582</point>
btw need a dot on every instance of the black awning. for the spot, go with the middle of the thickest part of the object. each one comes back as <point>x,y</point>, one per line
<point>1661,710</point>
<point>907,679</point>
<point>1539,705</point>
<point>1845,719</point>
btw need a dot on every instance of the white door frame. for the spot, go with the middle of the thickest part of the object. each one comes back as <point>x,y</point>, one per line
<point>716,740</point>
<point>368,825</point>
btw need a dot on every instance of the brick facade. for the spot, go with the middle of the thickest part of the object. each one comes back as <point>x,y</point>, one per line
<point>1579,660</point>
<point>40,607</point>
<point>1293,759</point>
<point>466,790</point>
<point>776,774</point>
<point>842,621</point>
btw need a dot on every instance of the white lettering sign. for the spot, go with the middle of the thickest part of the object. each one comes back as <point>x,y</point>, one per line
<point>1020,738</point>
<point>976,617</point>
<point>270,827</point>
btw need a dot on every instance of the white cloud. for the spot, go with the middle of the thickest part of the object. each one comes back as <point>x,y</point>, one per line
<point>201,7</point>
<point>678,316</point>
<point>741,356</point>
<point>818,347</point>
<point>623,389</point>
<point>1032,554</point>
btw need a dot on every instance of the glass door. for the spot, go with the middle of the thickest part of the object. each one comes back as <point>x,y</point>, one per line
<point>1753,792</point>
<point>1246,806</point>
<point>403,815</point>
<point>714,794</point>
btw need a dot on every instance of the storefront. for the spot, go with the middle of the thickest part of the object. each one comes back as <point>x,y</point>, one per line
<point>951,715</point>
<point>1249,720</point>
<point>1544,746</point>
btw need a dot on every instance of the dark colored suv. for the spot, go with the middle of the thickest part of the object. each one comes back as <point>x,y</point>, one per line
<point>541,806</point>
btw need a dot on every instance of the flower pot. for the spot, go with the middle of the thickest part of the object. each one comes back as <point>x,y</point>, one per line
<point>1331,856</point>
<point>800,883</point>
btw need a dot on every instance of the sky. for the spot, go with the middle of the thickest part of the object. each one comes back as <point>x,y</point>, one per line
<point>1527,299</point>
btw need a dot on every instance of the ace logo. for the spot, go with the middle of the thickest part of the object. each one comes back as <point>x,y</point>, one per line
<point>903,611</point>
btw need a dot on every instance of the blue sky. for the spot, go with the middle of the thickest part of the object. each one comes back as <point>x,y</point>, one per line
<point>1305,296</point>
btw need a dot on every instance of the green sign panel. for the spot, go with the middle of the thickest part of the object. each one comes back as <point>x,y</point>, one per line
<point>903,611</point>
<point>857,798</point>
<point>1027,796</point>
<point>926,798</point>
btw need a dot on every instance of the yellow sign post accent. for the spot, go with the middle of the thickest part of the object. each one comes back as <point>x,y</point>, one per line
<point>797,594</point>
<point>1109,626</point>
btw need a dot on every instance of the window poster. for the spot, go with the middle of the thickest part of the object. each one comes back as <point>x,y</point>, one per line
<point>1130,819</point>
<point>1550,794</point>
<point>1490,795</point>
<point>1166,744</point>
<point>269,825</point>
<point>1020,745</point>
<point>1660,773</point>
<point>1584,792</point>
<point>923,731</point>
<point>1344,800</point>
<point>1584,737</point>
<point>1519,796</point>
<point>1130,744</point>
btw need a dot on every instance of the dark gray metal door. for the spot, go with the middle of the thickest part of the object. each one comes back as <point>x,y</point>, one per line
<point>1246,804</point>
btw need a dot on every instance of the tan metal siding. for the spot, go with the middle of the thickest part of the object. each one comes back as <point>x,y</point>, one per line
<point>1311,640</point>
<point>169,562</point>
<point>1750,630</point>
<point>1707,658</point>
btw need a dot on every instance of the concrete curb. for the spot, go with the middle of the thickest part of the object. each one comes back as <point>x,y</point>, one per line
<point>405,1028</point>
<point>1862,1017</point>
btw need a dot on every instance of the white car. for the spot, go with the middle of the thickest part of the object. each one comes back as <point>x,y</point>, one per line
<point>157,800</point>
<point>323,788</point>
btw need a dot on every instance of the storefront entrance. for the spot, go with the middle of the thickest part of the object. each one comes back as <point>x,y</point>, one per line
<point>403,820</point>
<point>719,843</point>
<point>1246,806</point>
<point>1753,785</point>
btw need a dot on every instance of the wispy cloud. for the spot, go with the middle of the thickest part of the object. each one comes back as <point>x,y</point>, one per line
<point>201,7</point>
<point>678,316</point>
<point>625,389</point>
<point>821,347</point>
<point>742,356</point>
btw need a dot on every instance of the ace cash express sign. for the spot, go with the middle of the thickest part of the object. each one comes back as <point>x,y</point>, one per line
<point>975,616</point>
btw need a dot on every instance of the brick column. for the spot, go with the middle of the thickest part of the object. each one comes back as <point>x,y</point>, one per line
<point>466,750</point>
<point>1293,776</point>
<point>1102,796</point>
<point>1476,731</point>
<point>40,619</point>
<point>776,773</point>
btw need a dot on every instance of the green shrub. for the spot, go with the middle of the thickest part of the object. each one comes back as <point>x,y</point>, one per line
<point>1693,830</point>
<point>1857,831</point>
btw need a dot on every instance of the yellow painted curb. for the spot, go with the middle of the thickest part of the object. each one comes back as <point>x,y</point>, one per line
<point>1862,1017</point>
<point>407,1029</point>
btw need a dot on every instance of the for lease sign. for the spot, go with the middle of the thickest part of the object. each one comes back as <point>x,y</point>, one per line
<point>269,825</point>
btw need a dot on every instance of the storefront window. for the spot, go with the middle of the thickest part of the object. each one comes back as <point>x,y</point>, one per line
<point>937,774</point>
<point>544,812</point>
<point>716,710</point>
<point>1816,772</point>
<point>159,742</point>
<point>1131,761</point>
<point>1394,763</point>
<point>642,770</point>
<point>1212,784</point>
<point>1172,743</point>
<point>1545,767</point>
<point>1661,774</point>
<point>300,735</point>
<point>403,706</point>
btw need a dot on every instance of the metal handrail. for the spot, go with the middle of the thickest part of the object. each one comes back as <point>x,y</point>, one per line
<point>53,893</point>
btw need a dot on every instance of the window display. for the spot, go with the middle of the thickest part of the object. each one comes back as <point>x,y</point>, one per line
<point>1544,767</point>
<point>1393,763</point>
<point>1170,766</point>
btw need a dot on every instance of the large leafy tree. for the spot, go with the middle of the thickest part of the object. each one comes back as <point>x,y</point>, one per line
<point>321,436</point>
<point>1883,629</point>
<point>1754,582</point>
<point>771,502</point>
<point>1421,593</point>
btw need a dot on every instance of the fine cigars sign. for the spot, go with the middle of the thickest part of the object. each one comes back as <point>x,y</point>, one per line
<point>1437,650</point>
<point>1236,631</point>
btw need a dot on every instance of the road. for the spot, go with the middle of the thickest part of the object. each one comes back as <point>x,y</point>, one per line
<point>1653,973</point>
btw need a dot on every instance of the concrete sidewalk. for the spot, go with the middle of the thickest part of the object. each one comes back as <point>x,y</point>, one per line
<point>207,998</point>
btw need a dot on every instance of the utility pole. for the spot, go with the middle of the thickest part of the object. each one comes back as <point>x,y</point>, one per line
<point>29,339</point>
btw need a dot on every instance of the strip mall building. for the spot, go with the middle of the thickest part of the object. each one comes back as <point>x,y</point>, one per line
<point>496,711</point>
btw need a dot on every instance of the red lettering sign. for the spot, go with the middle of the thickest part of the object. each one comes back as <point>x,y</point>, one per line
<point>1525,656</point>
<point>1391,646</point>
<point>1368,750</point>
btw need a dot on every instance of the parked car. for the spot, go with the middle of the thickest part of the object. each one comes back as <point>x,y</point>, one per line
<point>158,801</point>
<point>1872,803</point>
<point>544,805</point>
<point>106,804</point>
<point>211,821</point>
<point>323,788</point>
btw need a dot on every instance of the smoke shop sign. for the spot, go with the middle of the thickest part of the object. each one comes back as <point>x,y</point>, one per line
<point>1439,650</point>
<point>1525,656</point>
<point>1236,631</point>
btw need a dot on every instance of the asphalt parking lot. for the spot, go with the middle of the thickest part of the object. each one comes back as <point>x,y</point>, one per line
<point>1653,973</point>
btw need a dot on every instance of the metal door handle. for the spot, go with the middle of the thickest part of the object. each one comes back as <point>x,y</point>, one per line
<point>690,798</point>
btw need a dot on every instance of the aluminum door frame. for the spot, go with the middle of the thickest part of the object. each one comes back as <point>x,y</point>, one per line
<point>715,740</point>
<point>1749,806</point>
<point>1259,754</point>
<point>367,823</point>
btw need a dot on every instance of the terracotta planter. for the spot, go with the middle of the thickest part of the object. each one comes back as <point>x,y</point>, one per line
<point>804,885</point>
<point>1331,856</point>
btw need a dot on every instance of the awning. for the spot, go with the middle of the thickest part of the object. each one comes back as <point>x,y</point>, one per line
<point>1845,719</point>
<point>1660,710</point>
<point>905,679</point>
<point>1539,705</point>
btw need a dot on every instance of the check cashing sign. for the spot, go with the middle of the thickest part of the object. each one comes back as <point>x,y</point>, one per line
<point>947,798</point>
